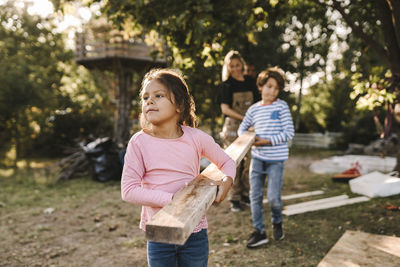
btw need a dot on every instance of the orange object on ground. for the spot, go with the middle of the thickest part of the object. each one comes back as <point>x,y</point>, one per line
<point>351,173</point>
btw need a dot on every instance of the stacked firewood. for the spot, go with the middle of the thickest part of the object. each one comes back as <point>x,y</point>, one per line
<point>76,164</point>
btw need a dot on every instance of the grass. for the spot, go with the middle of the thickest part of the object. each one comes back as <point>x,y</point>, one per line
<point>88,224</point>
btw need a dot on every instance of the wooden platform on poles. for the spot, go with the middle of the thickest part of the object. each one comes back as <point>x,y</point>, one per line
<point>175,222</point>
<point>362,249</point>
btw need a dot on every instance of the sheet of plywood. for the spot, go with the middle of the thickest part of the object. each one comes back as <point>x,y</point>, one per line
<point>175,222</point>
<point>362,249</point>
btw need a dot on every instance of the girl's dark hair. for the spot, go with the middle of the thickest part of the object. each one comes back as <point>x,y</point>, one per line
<point>175,84</point>
<point>273,72</point>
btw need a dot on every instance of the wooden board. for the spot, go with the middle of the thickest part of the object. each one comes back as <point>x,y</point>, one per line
<point>314,203</point>
<point>306,207</point>
<point>299,195</point>
<point>175,222</point>
<point>362,249</point>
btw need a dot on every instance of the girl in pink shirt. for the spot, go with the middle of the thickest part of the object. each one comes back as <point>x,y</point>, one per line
<point>164,157</point>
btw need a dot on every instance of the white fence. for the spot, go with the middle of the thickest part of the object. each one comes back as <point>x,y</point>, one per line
<point>317,140</point>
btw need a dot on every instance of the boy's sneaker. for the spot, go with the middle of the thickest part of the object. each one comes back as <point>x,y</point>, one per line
<point>245,201</point>
<point>257,239</point>
<point>278,231</point>
<point>235,206</point>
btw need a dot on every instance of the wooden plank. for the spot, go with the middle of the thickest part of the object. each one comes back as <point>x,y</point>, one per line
<point>316,202</point>
<point>175,222</point>
<point>325,205</point>
<point>300,195</point>
<point>362,249</point>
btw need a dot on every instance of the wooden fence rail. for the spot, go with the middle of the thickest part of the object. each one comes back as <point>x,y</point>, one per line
<point>316,140</point>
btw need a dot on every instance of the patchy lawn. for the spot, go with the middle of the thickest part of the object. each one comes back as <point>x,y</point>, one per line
<point>82,222</point>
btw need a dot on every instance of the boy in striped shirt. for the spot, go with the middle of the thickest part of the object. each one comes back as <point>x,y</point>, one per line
<point>273,126</point>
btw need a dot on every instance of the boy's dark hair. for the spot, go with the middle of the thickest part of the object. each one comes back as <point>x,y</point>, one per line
<point>175,84</point>
<point>273,72</point>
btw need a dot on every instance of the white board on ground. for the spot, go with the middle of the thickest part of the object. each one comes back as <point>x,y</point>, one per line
<point>300,195</point>
<point>325,205</point>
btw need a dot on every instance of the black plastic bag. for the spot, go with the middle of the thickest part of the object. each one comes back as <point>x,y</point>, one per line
<point>104,159</point>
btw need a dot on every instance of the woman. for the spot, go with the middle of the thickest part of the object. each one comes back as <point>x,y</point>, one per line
<point>237,93</point>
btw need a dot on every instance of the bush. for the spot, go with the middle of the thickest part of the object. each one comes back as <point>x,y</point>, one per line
<point>66,130</point>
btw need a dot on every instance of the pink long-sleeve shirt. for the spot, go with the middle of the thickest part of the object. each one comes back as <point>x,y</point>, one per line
<point>155,168</point>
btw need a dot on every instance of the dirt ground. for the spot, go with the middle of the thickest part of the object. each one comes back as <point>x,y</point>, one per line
<point>84,223</point>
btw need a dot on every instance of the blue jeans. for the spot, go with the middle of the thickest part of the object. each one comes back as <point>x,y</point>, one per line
<point>258,171</point>
<point>194,253</point>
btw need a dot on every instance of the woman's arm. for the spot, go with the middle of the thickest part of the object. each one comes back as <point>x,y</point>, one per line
<point>226,110</point>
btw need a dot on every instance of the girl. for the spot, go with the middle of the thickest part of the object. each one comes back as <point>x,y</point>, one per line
<point>165,156</point>
<point>237,93</point>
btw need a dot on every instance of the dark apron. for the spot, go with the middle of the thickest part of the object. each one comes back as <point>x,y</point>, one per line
<point>241,102</point>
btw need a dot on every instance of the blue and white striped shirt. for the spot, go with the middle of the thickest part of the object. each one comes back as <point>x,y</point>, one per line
<point>273,122</point>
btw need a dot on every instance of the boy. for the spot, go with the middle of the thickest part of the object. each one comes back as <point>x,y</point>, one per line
<point>273,126</point>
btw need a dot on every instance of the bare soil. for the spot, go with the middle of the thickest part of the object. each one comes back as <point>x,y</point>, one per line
<point>81,222</point>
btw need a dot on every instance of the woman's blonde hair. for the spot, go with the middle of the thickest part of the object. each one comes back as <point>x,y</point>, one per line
<point>176,85</point>
<point>228,58</point>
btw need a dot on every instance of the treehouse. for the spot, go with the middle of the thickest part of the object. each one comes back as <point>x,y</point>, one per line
<point>108,54</point>
<point>105,49</point>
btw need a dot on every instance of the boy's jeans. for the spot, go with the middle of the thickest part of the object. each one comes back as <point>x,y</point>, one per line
<point>193,253</point>
<point>258,171</point>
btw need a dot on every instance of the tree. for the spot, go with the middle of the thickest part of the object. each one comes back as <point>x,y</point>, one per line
<point>377,25</point>
<point>31,68</point>
<point>310,35</point>
<point>46,101</point>
<point>199,33</point>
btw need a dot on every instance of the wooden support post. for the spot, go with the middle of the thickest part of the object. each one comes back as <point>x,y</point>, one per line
<point>175,222</point>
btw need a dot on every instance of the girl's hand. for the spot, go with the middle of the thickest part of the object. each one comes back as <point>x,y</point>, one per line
<point>223,185</point>
<point>261,142</point>
<point>223,188</point>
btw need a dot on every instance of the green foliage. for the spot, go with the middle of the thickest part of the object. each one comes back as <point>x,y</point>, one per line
<point>361,129</point>
<point>30,73</point>
<point>45,101</point>
<point>373,91</point>
<point>199,33</point>
<point>295,35</point>
<point>84,112</point>
<point>375,25</point>
<point>328,105</point>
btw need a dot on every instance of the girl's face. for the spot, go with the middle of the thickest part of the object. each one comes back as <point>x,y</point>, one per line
<point>269,91</point>
<point>235,68</point>
<point>158,105</point>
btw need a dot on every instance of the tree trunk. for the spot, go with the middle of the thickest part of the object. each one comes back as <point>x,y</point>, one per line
<point>396,115</point>
<point>301,68</point>
<point>122,125</point>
